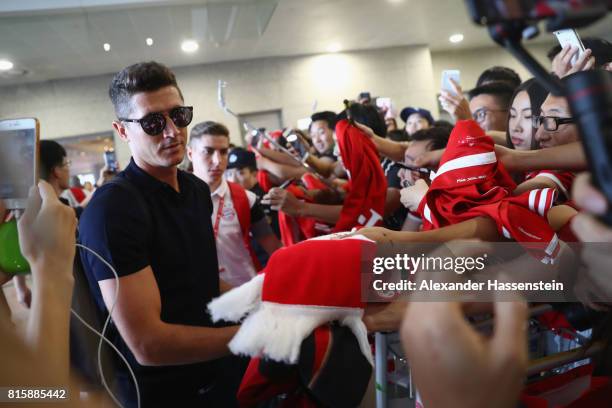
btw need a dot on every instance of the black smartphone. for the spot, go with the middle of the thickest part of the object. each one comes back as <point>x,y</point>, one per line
<point>294,141</point>
<point>110,160</point>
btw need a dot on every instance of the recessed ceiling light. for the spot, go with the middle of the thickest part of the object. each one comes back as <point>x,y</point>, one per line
<point>455,38</point>
<point>190,46</point>
<point>149,41</point>
<point>335,47</point>
<point>6,65</point>
<point>106,47</point>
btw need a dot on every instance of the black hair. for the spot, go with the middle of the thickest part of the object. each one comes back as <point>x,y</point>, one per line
<point>499,74</point>
<point>537,94</point>
<point>445,124</point>
<point>51,156</point>
<point>398,135</point>
<point>75,181</point>
<point>327,116</point>
<point>437,135</point>
<point>208,128</point>
<point>142,77</point>
<point>366,115</point>
<point>500,90</point>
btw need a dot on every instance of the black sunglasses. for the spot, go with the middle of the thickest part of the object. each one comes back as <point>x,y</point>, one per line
<point>154,123</point>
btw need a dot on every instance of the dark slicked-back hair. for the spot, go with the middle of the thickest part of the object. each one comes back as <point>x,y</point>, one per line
<point>142,77</point>
<point>208,128</point>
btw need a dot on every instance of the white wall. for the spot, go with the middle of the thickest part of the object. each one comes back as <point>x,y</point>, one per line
<point>408,75</point>
<point>81,106</point>
<point>472,62</point>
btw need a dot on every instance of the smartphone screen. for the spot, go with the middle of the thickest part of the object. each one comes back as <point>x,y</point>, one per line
<point>447,75</point>
<point>18,160</point>
<point>110,160</point>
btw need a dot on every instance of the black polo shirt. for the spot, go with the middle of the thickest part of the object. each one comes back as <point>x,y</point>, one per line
<point>175,237</point>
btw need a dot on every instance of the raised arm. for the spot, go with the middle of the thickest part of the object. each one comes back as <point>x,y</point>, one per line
<point>386,147</point>
<point>47,241</point>
<point>566,157</point>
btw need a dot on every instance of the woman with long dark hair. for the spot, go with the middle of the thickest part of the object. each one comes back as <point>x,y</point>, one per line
<point>526,103</point>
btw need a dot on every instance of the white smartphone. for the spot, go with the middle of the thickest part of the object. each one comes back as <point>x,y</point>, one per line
<point>383,103</point>
<point>570,36</point>
<point>18,160</point>
<point>447,75</point>
<point>303,123</point>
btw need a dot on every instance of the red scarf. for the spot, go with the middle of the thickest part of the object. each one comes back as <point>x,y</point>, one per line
<point>470,182</point>
<point>302,287</point>
<point>263,178</point>
<point>364,205</point>
<point>297,229</point>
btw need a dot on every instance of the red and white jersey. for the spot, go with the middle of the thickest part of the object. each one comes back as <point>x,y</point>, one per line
<point>562,179</point>
<point>470,182</point>
<point>364,204</point>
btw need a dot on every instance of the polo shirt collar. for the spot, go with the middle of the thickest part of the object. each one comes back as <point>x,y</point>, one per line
<point>222,189</point>
<point>147,181</point>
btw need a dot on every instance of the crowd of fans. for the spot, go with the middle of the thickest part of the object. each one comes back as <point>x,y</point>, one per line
<point>179,239</point>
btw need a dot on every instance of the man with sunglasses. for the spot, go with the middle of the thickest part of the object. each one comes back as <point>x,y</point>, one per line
<point>153,224</point>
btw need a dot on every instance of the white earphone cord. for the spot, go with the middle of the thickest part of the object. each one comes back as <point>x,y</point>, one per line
<point>102,334</point>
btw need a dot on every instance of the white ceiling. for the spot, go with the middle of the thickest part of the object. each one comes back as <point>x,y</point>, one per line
<point>53,39</point>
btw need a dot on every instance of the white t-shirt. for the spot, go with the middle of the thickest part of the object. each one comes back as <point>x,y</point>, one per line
<point>235,263</point>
